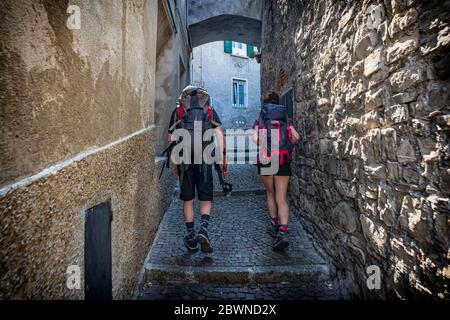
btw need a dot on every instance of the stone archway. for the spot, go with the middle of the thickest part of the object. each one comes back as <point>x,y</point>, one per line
<point>237,20</point>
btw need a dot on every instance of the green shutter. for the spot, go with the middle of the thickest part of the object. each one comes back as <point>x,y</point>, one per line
<point>250,51</point>
<point>227,46</point>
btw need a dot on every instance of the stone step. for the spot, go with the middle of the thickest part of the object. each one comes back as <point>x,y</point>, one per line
<point>285,290</point>
<point>317,273</point>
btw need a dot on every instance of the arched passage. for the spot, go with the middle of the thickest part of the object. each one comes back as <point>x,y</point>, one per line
<point>237,20</point>
<point>226,27</point>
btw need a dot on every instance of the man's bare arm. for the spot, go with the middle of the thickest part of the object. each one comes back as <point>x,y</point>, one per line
<point>222,148</point>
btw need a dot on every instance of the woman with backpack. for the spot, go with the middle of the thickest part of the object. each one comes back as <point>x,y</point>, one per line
<point>274,119</point>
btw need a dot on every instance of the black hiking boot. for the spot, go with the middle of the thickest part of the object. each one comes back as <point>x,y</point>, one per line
<point>203,239</point>
<point>281,242</point>
<point>190,242</point>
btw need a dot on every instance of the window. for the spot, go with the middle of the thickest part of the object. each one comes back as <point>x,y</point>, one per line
<point>239,93</point>
<point>239,49</point>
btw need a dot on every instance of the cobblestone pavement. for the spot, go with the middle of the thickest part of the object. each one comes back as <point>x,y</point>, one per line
<point>177,290</point>
<point>243,264</point>
<point>242,176</point>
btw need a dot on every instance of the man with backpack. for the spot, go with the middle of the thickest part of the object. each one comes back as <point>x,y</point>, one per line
<point>275,136</point>
<point>194,112</point>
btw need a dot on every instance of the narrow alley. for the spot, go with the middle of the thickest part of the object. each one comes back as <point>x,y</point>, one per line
<point>243,265</point>
<point>88,90</point>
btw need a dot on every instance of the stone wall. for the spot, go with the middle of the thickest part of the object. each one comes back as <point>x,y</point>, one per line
<point>372,177</point>
<point>174,56</point>
<point>76,130</point>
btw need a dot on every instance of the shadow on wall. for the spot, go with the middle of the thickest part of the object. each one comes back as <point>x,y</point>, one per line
<point>371,180</point>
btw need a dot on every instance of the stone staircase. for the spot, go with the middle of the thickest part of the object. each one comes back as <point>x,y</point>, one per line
<point>243,264</point>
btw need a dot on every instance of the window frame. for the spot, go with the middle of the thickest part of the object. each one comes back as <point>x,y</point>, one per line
<point>239,52</point>
<point>245,81</point>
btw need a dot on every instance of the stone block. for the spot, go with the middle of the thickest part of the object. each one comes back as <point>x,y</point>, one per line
<point>357,69</point>
<point>444,181</point>
<point>442,68</point>
<point>389,143</point>
<point>404,97</point>
<point>371,146</point>
<point>440,43</point>
<point>347,189</point>
<point>371,120</point>
<point>421,127</point>
<point>376,172</point>
<point>396,114</point>
<point>413,218</point>
<point>406,78</point>
<point>401,48</point>
<point>393,170</point>
<point>383,31</point>
<point>411,175</point>
<point>441,217</point>
<point>325,146</point>
<point>406,152</point>
<point>375,235</point>
<point>402,21</point>
<point>377,78</point>
<point>352,147</point>
<point>386,204</point>
<point>404,256</point>
<point>373,63</point>
<point>398,6</point>
<point>375,16</point>
<point>365,44</point>
<point>347,217</point>
<point>437,96</point>
<point>428,149</point>
<point>374,98</point>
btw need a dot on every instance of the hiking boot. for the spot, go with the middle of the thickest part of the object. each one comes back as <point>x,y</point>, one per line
<point>203,239</point>
<point>272,230</point>
<point>190,242</point>
<point>281,242</point>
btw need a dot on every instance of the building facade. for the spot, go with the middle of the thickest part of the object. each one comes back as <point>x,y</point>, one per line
<point>230,73</point>
<point>80,129</point>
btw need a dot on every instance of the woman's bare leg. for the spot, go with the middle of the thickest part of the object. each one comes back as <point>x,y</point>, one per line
<point>270,192</point>
<point>281,186</point>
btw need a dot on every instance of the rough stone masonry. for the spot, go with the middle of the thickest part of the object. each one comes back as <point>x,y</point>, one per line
<point>372,178</point>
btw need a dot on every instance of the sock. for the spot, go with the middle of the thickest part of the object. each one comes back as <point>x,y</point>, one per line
<point>274,221</point>
<point>190,227</point>
<point>284,227</point>
<point>205,220</point>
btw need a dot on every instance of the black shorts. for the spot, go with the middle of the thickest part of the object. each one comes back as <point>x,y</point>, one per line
<point>284,170</point>
<point>196,179</point>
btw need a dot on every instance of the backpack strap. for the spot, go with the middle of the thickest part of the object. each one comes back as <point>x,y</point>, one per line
<point>210,113</point>
<point>211,116</point>
<point>180,112</point>
<point>178,118</point>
